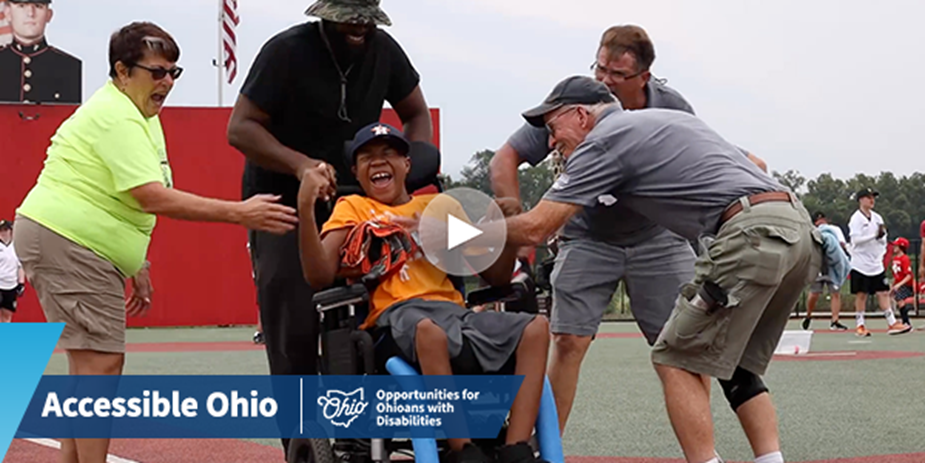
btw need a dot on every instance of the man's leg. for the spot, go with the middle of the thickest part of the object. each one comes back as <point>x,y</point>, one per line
<point>754,408</point>
<point>289,322</point>
<point>810,307</point>
<point>6,316</point>
<point>836,309</point>
<point>860,304</point>
<point>568,353</point>
<point>584,281</point>
<point>688,404</point>
<point>656,269</point>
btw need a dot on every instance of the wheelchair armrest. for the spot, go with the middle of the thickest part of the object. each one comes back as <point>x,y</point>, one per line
<point>507,293</point>
<point>339,297</point>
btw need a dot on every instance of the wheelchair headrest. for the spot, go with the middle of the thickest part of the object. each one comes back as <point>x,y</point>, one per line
<point>425,165</point>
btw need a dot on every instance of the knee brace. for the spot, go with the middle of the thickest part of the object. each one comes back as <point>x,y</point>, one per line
<point>742,387</point>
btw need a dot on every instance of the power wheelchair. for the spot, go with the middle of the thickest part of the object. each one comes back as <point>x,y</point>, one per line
<point>345,349</point>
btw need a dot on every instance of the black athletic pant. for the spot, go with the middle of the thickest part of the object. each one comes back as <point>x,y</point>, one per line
<point>290,323</point>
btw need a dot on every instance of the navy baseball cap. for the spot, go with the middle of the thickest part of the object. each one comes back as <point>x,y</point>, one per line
<point>6,225</point>
<point>573,90</point>
<point>377,131</point>
<point>866,192</point>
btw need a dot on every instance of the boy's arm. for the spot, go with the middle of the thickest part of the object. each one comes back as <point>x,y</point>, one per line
<point>320,258</point>
<point>499,274</point>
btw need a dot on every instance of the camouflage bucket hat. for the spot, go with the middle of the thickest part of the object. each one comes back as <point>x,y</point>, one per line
<point>350,11</point>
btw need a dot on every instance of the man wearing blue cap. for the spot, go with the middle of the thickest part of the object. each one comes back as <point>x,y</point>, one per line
<point>761,249</point>
<point>30,69</point>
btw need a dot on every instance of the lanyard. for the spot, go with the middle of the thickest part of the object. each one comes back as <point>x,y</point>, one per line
<point>342,111</point>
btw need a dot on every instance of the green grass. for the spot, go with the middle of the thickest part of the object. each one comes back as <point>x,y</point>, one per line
<point>827,409</point>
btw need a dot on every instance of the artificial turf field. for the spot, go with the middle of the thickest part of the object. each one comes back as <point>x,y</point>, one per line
<point>857,400</point>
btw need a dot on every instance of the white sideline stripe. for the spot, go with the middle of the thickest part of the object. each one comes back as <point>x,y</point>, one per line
<point>57,445</point>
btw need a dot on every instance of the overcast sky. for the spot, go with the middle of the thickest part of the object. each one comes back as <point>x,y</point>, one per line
<point>817,86</point>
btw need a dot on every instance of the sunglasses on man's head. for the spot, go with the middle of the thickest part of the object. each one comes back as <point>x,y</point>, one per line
<point>159,73</point>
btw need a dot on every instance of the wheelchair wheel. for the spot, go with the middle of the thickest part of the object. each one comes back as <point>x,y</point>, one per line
<point>310,451</point>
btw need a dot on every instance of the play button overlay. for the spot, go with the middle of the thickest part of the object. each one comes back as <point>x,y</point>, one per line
<point>459,232</point>
<point>462,232</point>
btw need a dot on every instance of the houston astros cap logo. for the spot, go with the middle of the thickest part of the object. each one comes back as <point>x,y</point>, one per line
<point>381,130</point>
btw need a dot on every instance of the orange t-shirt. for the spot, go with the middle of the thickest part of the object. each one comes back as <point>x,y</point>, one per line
<point>423,280</point>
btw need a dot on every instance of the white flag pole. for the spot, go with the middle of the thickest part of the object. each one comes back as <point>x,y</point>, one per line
<point>219,61</point>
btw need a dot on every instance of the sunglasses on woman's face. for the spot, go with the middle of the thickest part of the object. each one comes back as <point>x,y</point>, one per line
<point>159,73</point>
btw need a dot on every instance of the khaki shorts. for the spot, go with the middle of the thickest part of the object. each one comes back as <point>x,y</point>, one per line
<point>763,258</point>
<point>75,287</point>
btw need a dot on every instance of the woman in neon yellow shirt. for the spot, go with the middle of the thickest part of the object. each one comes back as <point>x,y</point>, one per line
<point>87,223</point>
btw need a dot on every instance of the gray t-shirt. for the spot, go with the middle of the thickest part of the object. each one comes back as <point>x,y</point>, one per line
<point>614,224</point>
<point>668,166</point>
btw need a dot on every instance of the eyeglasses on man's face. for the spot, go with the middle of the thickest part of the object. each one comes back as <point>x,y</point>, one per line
<point>600,71</point>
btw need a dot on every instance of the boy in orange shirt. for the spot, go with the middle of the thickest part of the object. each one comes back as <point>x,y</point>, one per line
<point>425,313</point>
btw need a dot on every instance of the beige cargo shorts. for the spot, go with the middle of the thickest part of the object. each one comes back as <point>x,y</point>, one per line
<point>763,257</point>
<point>75,287</point>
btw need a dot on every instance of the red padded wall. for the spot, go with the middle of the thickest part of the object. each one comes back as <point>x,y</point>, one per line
<point>201,272</point>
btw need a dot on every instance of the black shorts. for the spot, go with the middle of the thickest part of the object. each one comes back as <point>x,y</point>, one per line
<point>861,283</point>
<point>8,299</point>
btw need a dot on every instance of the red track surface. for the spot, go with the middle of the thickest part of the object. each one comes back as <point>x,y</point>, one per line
<point>235,451</point>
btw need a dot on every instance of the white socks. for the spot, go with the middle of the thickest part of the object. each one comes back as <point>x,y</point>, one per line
<point>859,320</point>
<point>890,317</point>
<point>775,457</point>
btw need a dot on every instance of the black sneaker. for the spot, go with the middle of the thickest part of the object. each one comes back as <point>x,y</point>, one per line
<point>835,326</point>
<point>520,452</point>
<point>258,338</point>
<point>806,322</point>
<point>469,454</point>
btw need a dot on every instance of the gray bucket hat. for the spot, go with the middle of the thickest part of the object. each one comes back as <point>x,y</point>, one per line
<point>350,12</point>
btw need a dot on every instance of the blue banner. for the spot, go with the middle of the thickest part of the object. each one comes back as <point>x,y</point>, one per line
<point>269,407</point>
<point>27,348</point>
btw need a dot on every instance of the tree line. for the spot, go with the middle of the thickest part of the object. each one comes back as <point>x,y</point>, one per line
<point>901,201</point>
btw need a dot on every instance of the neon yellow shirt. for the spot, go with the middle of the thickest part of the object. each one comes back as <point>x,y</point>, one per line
<point>106,148</point>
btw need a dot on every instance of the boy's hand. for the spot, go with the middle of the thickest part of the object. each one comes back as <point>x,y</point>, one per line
<point>509,206</point>
<point>410,224</point>
<point>317,182</point>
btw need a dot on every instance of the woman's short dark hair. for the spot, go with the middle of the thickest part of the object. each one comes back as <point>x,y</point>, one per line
<point>129,44</point>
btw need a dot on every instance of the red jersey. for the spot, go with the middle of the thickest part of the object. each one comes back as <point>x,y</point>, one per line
<point>902,267</point>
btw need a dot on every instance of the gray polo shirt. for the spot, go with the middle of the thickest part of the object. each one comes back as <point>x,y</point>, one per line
<point>667,166</point>
<point>614,224</point>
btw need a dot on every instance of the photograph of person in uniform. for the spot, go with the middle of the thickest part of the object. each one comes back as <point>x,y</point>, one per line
<point>31,70</point>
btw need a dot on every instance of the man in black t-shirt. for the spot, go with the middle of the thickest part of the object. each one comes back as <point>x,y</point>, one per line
<point>309,90</point>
